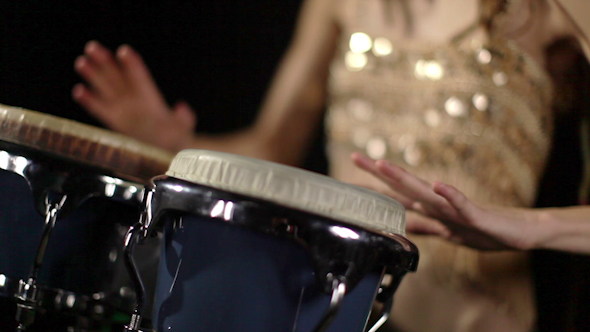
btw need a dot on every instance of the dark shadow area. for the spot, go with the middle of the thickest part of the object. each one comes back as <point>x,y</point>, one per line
<point>561,279</point>
<point>219,56</point>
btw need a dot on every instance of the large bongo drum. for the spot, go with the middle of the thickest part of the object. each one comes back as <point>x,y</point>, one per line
<point>69,194</point>
<point>251,245</point>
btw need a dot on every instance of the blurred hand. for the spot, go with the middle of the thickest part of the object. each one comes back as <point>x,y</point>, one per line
<point>444,211</point>
<point>121,92</point>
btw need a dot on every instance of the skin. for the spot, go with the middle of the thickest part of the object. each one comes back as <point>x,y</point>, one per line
<point>125,97</point>
<point>444,211</point>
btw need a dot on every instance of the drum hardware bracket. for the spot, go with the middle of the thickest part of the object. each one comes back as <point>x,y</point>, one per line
<point>385,312</point>
<point>27,296</point>
<point>134,234</point>
<point>51,212</point>
<point>338,292</point>
<point>146,217</point>
<point>385,297</point>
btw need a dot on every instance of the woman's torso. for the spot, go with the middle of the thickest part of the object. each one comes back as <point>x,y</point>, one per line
<point>473,112</point>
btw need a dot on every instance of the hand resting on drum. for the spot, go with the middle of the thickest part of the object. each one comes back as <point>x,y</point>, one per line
<point>121,92</point>
<point>444,211</point>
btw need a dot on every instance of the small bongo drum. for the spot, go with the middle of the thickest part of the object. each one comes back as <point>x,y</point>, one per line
<point>251,245</point>
<point>69,194</point>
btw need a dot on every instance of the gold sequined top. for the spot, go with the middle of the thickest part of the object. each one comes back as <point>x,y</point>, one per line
<point>475,114</point>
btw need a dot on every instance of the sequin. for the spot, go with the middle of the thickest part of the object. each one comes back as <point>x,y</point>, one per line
<point>480,101</point>
<point>420,69</point>
<point>376,148</point>
<point>431,70</point>
<point>455,107</point>
<point>434,70</point>
<point>355,61</point>
<point>382,47</point>
<point>360,42</point>
<point>500,78</point>
<point>432,117</point>
<point>484,56</point>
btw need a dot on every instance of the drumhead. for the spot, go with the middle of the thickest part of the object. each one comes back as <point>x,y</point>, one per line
<point>82,143</point>
<point>291,187</point>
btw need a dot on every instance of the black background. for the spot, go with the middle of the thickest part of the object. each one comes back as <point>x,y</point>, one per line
<point>219,56</point>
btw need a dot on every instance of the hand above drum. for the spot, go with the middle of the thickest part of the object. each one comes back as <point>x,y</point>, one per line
<point>121,92</point>
<point>444,211</point>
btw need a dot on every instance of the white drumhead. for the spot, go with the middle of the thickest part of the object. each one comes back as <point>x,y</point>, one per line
<point>82,142</point>
<point>291,187</point>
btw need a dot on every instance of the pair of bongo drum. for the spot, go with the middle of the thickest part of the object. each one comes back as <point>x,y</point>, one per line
<point>95,234</point>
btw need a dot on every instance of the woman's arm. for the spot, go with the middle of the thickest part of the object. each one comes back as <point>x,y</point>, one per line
<point>566,229</point>
<point>121,93</point>
<point>445,211</point>
<point>571,18</point>
<point>294,103</point>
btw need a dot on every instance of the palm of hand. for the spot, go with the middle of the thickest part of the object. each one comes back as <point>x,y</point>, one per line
<point>444,211</point>
<point>122,93</point>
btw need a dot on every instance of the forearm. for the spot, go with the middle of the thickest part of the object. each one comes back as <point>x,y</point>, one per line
<point>566,229</point>
<point>243,142</point>
<point>575,13</point>
<point>269,138</point>
<point>292,109</point>
<point>287,133</point>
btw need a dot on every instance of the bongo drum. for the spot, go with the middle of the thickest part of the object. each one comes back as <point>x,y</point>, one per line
<point>251,245</point>
<point>69,193</point>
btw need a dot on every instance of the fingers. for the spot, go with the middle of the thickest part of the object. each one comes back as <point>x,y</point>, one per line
<point>185,115</point>
<point>406,202</point>
<point>135,69</point>
<point>426,201</point>
<point>404,183</point>
<point>89,101</point>
<point>180,127</point>
<point>457,218</point>
<point>464,207</point>
<point>100,69</point>
<point>419,224</point>
<point>370,166</point>
<point>392,175</point>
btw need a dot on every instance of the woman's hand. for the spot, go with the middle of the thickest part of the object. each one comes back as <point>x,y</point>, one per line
<point>444,211</point>
<point>121,92</point>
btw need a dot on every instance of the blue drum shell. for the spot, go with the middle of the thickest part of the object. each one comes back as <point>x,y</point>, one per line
<point>83,257</point>
<point>214,276</point>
